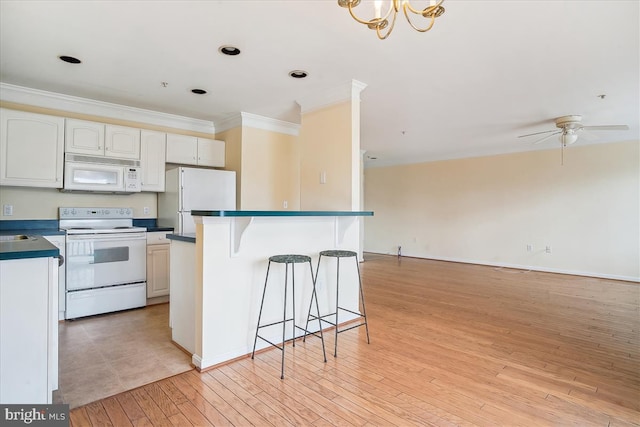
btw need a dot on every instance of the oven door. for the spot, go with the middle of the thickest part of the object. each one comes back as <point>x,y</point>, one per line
<point>97,260</point>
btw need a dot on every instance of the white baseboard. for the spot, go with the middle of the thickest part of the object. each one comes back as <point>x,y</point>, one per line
<point>525,267</point>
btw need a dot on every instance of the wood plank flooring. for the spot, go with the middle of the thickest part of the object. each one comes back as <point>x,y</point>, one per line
<point>451,345</point>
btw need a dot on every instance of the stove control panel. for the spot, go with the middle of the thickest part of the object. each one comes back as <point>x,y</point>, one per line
<point>95,213</point>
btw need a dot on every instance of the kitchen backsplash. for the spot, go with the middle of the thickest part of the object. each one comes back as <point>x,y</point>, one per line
<point>43,203</point>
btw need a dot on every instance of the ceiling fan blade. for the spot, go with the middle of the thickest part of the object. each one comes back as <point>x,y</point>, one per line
<point>547,137</point>
<point>588,135</point>
<point>537,133</point>
<point>606,127</point>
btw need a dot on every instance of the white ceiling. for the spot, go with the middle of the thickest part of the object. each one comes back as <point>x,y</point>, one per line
<point>487,72</point>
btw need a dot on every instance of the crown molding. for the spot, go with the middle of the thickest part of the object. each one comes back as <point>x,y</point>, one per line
<point>58,101</point>
<point>349,91</point>
<point>243,119</point>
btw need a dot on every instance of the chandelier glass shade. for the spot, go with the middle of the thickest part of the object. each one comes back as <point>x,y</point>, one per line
<point>383,23</point>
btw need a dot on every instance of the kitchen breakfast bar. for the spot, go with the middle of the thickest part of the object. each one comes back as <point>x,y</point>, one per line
<point>218,276</point>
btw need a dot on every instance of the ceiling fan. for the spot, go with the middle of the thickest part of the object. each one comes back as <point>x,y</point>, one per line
<point>568,129</point>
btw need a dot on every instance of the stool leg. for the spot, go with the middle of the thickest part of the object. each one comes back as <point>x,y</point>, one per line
<point>313,295</point>
<point>335,345</point>
<point>284,317</point>
<point>264,292</point>
<point>313,281</point>
<point>293,302</point>
<point>364,310</point>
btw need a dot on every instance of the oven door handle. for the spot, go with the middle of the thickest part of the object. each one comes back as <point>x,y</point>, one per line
<point>107,237</point>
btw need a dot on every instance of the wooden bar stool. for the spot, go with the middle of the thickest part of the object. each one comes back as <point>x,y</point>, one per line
<point>339,254</point>
<point>288,260</point>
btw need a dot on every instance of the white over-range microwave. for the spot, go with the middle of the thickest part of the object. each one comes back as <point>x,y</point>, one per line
<point>101,174</point>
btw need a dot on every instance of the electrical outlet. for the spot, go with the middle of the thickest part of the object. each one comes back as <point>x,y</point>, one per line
<point>547,249</point>
<point>7,210</point>
<point>285,204</point>
<point>145,210</point>
<point>529,247</point>
<point>323,177</point>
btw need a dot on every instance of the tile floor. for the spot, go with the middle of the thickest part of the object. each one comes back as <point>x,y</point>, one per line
<point>108,354</point>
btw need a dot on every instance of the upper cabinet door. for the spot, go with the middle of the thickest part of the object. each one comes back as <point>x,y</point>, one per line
<point>122,142</point>
<point>152,159</point>
<point>210,152</point>
<point>31,149</point>
<point>182,149</point>
<point>84,137</point>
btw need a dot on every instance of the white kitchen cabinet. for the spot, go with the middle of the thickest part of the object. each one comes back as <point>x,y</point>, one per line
<point>152,159</point>
<point>210,152</point>
<point>122,142</point>
<point>28,330</point>
<point>59,240</point>
<point>158,269</point>
<point>31,149</point>
<point>190,150</point>
<point>84,137</point>
<point>98,139</point>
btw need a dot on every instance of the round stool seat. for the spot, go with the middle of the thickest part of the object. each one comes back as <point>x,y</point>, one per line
<point>338,253</point>
<point>290,258</point>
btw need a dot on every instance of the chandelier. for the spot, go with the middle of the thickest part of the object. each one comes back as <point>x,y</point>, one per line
<point>380,22</point>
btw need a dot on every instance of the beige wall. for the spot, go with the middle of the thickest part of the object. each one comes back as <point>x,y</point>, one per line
<point>233,157</point>
<point>270,170</point>
<point>327,146</point>
<point>267,164</point>
<point>43,203</point>
<point>486,210</point>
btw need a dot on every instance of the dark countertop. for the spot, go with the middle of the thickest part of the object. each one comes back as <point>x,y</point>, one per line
<point>40,227</point>
<point>152,229</point>
<point>279,213</point>
<point>33,247</point>
<point>183,237</point>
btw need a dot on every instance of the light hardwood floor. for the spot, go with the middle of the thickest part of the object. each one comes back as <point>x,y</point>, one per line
<point>451,344</point>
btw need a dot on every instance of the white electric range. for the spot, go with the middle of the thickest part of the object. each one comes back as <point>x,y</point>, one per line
<point>105,261</point>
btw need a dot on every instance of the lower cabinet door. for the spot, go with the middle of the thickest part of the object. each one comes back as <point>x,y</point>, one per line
<point>157,270</point>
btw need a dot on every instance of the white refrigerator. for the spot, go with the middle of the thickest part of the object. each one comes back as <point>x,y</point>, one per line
<point>188,189</point>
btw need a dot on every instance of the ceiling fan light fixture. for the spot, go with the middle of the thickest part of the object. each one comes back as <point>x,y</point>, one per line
<point>568,137</point>
<point>386,21</point>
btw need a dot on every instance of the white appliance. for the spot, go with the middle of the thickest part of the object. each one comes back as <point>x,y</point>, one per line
<point>106,261</point>
<point>188,189</point>
<point>103,174</point>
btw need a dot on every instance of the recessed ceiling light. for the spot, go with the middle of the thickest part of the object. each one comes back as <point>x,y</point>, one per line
<point>229,50</point>
<point>69,59</point>
<point>199,91</point>
<point>298,74</point>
